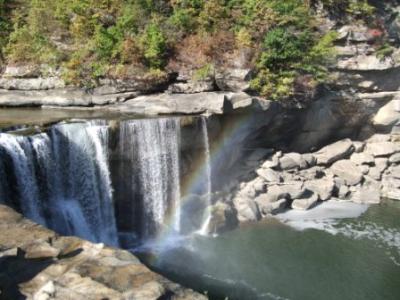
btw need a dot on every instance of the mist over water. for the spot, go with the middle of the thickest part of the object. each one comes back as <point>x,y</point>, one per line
<point>273,260</point>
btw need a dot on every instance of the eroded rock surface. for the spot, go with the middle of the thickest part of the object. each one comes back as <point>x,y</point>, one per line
<point>36,263</point>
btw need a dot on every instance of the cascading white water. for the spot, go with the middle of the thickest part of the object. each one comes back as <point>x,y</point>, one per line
<point>153,146</point>
<point>65,176</point>
<point>207,216</point>
<point>19,151</point>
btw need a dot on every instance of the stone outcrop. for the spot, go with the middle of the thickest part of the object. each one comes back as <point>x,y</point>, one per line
<point>346,170</point>
<point>36,263</point>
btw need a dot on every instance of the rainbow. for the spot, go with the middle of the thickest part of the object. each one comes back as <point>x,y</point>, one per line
<point>223,142</point>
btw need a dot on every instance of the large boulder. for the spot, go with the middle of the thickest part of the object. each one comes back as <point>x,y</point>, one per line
<point>292,161</point>
<point>348,171</point>
<point>268,205</point>
<point>247,209</point>
<point>269,175</point>
<point>307,201</point>
<point>334,152</point>
<point>389,114</point>
<point>323,187</point>
<point>223,218</point>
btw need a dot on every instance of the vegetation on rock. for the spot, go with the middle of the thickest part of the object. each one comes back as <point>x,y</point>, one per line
<point>92,39</point>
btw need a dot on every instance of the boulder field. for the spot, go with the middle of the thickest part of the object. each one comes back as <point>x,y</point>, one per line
<point>361,172</point>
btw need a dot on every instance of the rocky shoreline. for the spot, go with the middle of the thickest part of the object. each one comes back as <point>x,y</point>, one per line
<point>45,265</point>
<point>358,171</point>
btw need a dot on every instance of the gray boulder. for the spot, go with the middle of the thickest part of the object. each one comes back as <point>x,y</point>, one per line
<point>192,87</point>
<point>306,202</point>
<point>270,207</point>
<point>334,152</point>
<point>310,159</point>
<point>269,175</point>
<point>247,209</point>
<point>381,164</point>
<point>235,80</point>
<point>375,173</point>
<point>348,171</point>
<point>367,195</point>
<point>323,187</point>
<point>362,159</point>
<point>292,161</point>
<point>381,149</point>
<point>358,146</point>
<point>395,158</point>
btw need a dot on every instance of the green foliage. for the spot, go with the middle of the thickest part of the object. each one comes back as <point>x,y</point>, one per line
<point>92,39</point>
<point>384,51</point>
<point>154,46</point>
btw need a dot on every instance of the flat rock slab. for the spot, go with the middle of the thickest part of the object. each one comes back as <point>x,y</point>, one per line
<point>382,149</point>
<point>334,152</point>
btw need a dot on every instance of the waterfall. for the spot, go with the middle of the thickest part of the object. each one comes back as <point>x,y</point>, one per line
<point>17,151</point>
<point>152,146</point>
<point>207,216</point>
<point>61,179</point>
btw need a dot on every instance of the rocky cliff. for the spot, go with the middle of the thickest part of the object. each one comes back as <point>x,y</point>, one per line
<point>36,263</point>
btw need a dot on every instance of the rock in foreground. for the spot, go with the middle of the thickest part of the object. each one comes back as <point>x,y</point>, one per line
<point>36,263</point>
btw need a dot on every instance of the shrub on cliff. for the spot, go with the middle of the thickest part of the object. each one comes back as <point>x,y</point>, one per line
<point>92,39</point>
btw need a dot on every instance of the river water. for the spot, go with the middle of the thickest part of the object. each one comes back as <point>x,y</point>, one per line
<point>350,258</point>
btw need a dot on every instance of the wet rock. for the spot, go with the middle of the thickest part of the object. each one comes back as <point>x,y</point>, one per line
<point>348,171</point>
<point>247,209</point>
<point>368,195</point>
<point>305,202</point>
<point>334,152</point>
<point>223,218</point>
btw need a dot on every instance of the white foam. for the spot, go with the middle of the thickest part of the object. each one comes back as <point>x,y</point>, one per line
<point>327,215</point>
